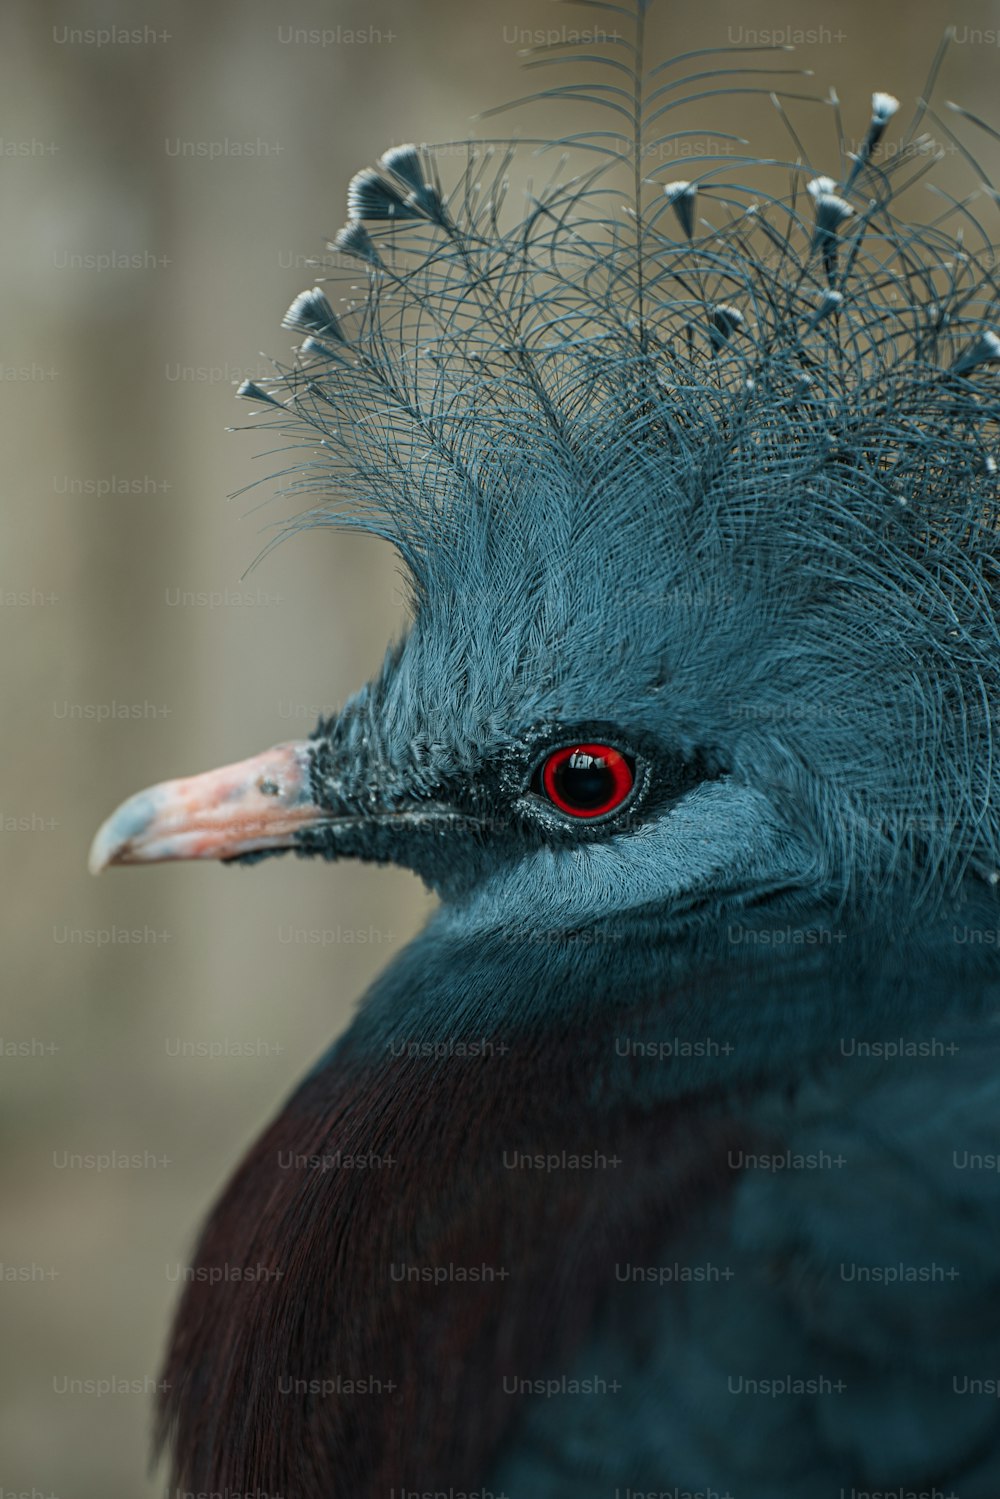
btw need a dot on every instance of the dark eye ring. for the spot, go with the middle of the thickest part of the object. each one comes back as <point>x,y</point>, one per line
<point>586,780</point>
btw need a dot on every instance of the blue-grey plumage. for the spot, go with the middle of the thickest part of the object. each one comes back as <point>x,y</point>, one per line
<point>695,483</point>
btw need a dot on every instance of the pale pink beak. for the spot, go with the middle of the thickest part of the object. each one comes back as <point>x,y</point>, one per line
<point>246,808</point>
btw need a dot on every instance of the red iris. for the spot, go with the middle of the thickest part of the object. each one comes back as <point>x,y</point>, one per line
<point>587,780</point>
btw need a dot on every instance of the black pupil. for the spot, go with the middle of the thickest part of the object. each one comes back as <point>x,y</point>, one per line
<point>584,781</point>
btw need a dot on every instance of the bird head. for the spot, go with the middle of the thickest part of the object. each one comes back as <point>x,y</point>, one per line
<point>698,511</point>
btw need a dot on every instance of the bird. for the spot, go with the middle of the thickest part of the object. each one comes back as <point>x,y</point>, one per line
<point>664,1158</point>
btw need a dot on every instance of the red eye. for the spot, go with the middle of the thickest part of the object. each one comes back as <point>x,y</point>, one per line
<point>587,780</point>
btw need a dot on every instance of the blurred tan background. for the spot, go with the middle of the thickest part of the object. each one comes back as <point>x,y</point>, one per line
<point>163,1014</point>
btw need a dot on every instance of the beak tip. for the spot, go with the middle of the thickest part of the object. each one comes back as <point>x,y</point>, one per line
<point>117,832</point>
<point>105,848</point>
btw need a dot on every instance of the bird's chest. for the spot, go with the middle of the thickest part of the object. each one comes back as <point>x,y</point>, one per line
<point>809,1329</point>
